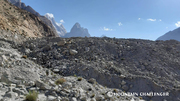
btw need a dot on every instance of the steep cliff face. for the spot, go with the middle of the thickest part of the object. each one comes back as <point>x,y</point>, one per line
<point>21,5</point>
<point>78,31</point>
<point>21,22</point>
<point>59,27</point>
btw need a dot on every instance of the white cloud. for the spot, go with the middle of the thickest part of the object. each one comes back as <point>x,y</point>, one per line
<point>166,27</point>
<point>120,24</point>
<point>160,20</point>
<point>107,29</point>
<point>50,15</point>
<point>177,24</point>
<point>151,19</point>
<point>139,18</point>
<point>62,21</point>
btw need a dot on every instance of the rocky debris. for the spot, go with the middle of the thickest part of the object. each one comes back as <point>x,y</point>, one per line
<point>20,76</point>
<point>41,85</point>
<point>73,52</point>
<point>61,43</point>
<point>126,64</point>
<point>70,90</point>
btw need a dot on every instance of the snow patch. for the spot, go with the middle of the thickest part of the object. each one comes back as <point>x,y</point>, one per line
<point>50,15</point>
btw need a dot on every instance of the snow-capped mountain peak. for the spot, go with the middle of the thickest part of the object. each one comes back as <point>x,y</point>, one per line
<point>58,26</point>
<point>49,15</point>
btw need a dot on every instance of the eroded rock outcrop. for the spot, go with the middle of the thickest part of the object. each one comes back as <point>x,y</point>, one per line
<point>21,22</point>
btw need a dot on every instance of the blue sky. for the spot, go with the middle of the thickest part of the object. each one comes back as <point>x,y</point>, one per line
<point>141,19</point>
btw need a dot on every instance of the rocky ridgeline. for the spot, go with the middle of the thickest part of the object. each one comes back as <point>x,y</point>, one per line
<point>77,31</point>
<point>127,64</point>
<point>174,34</point>
<point>21,22</point>
<point>22,5</point>
<point>59,27</point>
<point>19,76</point>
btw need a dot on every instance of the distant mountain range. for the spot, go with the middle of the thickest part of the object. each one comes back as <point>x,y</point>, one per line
<point>76,31</point>
<point>175,35</point>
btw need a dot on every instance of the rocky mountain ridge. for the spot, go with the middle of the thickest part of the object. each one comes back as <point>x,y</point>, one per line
<point>175,34</point>
<point>48,20</point>
<point>77,31</point>
<point>59,27</point>
<point>21,5</point>
<point>21,22</point>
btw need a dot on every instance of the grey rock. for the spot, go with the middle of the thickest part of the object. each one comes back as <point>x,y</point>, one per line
<point>123,82</point>
<point>34,89</point>
<point>42,85</point>
<point>73,99</point>
<point>12,85</point>
<point>5,77</point>
<point>93,99</point>
<point>99,98</point>
<point>125,87</point>
<point>21,86</point>
<point>11,95</point>
<point>27,51</point>
<point>52,98</point>
<point>87,49</point>
<point>65,99</point>
<point>52,83</point>
<point>83,98</point>
<point>1,85</point>
<point>4,58</point>
<point>19,92</point>
<point>52,93</point>
<point>67,85</point>
<point>92,81</point>
<point>31,83</point>
<point>73,52</point>
<point>56,70</point>
<point>42,97</point>
<point>61,43</point>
